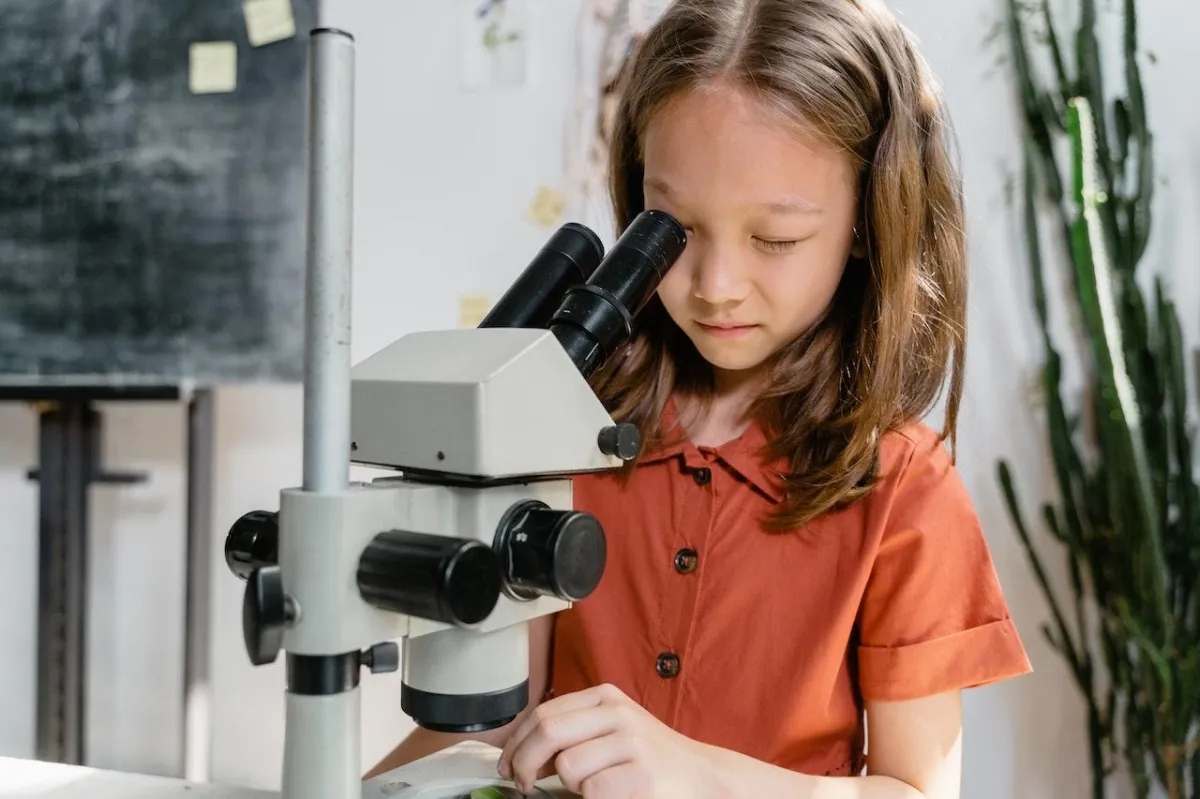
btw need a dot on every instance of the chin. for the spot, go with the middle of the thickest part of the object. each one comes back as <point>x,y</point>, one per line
<point>730,359</point>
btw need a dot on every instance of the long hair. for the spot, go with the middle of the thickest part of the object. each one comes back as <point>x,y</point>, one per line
<point>879,357</point>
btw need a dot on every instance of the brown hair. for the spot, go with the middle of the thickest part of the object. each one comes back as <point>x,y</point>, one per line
<point>848,72</point>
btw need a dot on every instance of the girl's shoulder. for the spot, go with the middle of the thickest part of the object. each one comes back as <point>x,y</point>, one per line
<point>918,479</point>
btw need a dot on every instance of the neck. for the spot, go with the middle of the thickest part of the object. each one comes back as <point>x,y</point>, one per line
<point>724,416</point>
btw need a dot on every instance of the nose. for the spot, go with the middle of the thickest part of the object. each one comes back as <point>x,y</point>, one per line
<point>718,278</point>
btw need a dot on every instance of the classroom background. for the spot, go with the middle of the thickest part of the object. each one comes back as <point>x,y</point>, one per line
<point>464,168</point>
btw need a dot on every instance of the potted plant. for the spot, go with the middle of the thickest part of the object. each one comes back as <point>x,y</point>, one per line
<point>1127,511</point>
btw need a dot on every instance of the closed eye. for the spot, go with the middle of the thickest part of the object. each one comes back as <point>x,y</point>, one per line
<point>776,245</point>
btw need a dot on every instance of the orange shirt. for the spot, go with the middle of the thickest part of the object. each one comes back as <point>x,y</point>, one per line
<point>767,644</point>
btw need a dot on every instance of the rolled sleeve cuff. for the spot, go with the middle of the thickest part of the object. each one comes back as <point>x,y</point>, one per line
<point>968,659</point>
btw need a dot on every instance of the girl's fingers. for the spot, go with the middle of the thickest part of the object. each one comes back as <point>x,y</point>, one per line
<point>566,703</point>
<point>585,761</point>
<point>559,733</point>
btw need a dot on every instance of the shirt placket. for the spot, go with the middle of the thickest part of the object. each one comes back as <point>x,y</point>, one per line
<point>690,534</point>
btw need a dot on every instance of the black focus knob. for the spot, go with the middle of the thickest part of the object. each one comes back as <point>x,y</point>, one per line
<point>621,440</point>
<point>382,658</point>
<point>549,552</point>
<point>252,542</point>
<point>267,612</point>
<point>449,580</point>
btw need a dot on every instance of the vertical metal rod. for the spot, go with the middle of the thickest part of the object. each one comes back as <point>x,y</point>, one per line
<point>68,453</point>
<point>330,233</point>
<point>197,687</point>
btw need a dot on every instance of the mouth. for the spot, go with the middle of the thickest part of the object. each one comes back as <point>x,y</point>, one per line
<point>725,329</point>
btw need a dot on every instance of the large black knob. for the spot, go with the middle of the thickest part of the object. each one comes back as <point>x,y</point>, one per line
<point>559,553</point>
<point>449,580</point>
<point>267,612</point>
<point>623,441</point>
<point>252,542</point>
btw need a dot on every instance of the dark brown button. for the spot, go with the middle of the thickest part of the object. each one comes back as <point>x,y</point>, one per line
<point>686,560</point>
<point>667,665</point>
<point>702,477</point>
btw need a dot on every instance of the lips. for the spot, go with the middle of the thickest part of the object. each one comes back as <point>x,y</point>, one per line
<point>725,329</point>
<point>725,325</point>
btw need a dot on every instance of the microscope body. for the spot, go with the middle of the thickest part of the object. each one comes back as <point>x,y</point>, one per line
<point>474,533</point>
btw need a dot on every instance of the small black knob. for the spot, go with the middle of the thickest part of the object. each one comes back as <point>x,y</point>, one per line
<point>382,658</point>
<point>549,552</point>
<point>621,440</point>
<point>267,612</point>
<point>253,542</point>
<point>449,580</point>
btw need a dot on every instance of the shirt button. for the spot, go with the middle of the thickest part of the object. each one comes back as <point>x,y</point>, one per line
<point>686,560</point>
<point>667,665</point>
<point>702,476</point>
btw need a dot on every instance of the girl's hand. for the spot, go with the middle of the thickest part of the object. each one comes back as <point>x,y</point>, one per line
<point>604,746</point>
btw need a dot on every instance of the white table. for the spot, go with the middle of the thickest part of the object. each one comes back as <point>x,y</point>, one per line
<point>34,779</point>
<point>435,777</point>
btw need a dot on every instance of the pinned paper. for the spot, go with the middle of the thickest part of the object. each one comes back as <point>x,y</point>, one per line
<point>269,21</point>
<point>472,308</point>
<point>547,207</point>
<point>495,46</point>
<point>212,67</point>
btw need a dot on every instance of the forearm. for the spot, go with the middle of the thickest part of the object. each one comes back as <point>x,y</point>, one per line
<point>736,776</point>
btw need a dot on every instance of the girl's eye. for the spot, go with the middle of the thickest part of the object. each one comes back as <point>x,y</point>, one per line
<point>776,245</point>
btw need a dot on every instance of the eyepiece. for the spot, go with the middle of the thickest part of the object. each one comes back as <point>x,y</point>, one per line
<point>596,318</point>
<point>568,259</point>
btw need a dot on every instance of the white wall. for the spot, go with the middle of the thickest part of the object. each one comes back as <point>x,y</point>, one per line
<point>442,185</point>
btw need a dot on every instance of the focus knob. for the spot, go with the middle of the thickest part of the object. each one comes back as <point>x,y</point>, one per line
<point>449,580</point>
<point>621,441</point>
<point>253,542</point>
<point>267,612</point>
<point>549,552</point>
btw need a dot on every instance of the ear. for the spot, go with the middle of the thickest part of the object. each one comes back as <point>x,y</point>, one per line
<point>858,247</point>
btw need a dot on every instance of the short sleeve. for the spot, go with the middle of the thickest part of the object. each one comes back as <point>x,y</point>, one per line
<point>933,616</point>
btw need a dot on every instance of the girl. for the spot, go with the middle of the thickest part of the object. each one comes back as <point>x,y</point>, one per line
<point>793,561</point>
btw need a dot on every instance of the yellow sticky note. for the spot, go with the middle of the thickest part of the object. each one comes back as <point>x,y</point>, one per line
<point>472,308</point>
<point>547,207</point>
<point>268,21</point>
<point>212,67</point>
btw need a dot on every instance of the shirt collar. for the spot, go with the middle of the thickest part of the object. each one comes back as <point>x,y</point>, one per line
<point>745,454</point>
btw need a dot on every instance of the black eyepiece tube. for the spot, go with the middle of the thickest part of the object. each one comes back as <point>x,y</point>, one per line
<point>568,259</point>
<point>596,318</point>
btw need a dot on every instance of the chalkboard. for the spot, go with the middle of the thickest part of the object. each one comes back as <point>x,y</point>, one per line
<point>149,235</point>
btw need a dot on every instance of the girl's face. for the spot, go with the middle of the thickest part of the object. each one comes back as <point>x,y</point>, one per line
<point>770,215</point>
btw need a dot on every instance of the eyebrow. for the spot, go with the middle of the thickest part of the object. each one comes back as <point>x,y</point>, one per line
<point>782,206</point>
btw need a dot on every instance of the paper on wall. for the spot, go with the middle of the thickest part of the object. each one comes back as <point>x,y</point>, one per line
<point>472,308</point>
<point>547,207</point>
<point>495,44</point>
<point>212,67</point>
<point>268,21</point>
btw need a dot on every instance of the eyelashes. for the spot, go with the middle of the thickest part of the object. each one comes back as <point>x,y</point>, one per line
<point>773,246</point>
<point>776,246</point>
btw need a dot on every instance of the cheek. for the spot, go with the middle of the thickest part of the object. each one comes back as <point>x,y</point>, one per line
<point>800,291</point>
<point>675,288</point>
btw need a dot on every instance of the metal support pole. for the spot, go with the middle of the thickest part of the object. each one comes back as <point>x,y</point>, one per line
<point>197,687</point>
<point>69,450</point>
<point>330,239</point>
<point>322,733</point>
<point>67,442</point>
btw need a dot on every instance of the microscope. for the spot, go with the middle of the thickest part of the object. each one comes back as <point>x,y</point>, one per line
<point>472,533</point>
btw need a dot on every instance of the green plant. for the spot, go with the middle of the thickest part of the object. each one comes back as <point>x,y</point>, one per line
<point>1128,507</point>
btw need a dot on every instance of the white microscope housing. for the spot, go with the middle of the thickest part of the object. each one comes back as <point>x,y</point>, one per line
<point>474,533</point>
